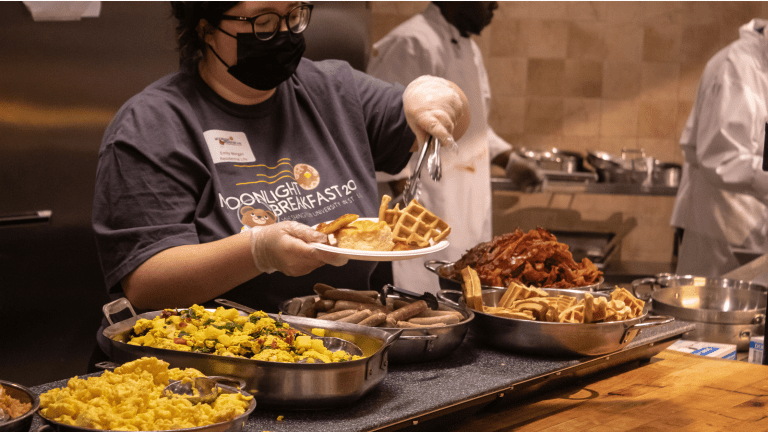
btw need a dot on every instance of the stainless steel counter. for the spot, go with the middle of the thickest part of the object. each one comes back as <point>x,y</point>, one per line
<point>576,187</point>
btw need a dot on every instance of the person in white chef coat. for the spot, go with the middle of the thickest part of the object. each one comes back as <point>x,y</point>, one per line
<point>722,201</point>
<point>437,42</point>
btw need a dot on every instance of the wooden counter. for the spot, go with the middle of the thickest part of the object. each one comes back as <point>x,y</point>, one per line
<point>672,392</point>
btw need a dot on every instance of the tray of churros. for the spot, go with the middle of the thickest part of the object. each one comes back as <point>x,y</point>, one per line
<point>554,322</point>
<point>397,234</point>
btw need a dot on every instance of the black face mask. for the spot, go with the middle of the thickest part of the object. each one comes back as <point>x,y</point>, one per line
<point>263,65</point>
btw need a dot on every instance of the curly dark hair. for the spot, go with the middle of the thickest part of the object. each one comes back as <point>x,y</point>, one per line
<point>188,14</point>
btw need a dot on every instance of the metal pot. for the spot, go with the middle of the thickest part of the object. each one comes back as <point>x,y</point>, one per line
<point>667,174</point>
<point>556,339</point>
<point>422,345</point>
<point>237,424</point>
<point>443,269</point>
<point>668,280</point>
<point>724,310</point>
<point>555,159</point>
<point>275,384</point>
<point>23,395</point>
<point>624,169</point>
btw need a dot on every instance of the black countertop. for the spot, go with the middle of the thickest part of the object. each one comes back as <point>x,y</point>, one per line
<point>474,374</point>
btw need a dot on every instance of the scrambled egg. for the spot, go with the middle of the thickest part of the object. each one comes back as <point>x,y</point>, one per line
<point>130,399</point>
<point>227,333</point>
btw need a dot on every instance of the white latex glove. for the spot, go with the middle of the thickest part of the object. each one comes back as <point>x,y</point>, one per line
<point>435,106</point>
<point>284,247</point>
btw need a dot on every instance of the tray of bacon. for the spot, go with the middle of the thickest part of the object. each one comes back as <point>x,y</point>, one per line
<point>534,258</point>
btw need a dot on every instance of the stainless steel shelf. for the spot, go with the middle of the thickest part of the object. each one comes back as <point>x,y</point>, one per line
<point>576,187</point>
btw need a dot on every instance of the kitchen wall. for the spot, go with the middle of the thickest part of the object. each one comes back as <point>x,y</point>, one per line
<point>595,76</point>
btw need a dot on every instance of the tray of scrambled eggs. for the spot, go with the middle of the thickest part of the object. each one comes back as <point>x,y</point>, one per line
<point>281,365</point>
<point>131,398</point>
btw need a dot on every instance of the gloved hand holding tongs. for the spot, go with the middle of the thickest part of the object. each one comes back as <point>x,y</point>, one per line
<point>436,109</point>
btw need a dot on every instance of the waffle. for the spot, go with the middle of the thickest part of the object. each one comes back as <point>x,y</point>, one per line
<point>517,291</point>
<point>507,313</point>
<point>574,314</point>
<point>595,308</point>
<point>635,304</point>
<point>390,216</point>
<point>473,295</point>
<point>418,226</point>
<point>537,306</point>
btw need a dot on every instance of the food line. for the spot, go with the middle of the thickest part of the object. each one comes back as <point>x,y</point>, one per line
<point>473,375</point>
<point>522,338</point>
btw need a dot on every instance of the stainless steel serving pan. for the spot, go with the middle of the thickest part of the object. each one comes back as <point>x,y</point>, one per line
<point>443,269</point>
<point>23,395</point>
<point>422,345</point>
<point>725,311</point>
<point>274,384</point>
<point>555,339</point>
<point>237,424</point>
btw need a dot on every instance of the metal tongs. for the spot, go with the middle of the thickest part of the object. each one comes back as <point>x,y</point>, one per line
<point>389,289</point>
<point>433,165</point>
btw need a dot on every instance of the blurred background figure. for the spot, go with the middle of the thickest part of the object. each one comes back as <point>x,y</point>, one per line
<point>437,42</point>
<point>721,203</point>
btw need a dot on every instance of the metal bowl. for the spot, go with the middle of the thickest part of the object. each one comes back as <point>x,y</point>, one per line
<point>294,386</point>
<point>443,269</point>
<point>725,311</point>
<point>236,424</point>
<point>556,339</point>
<point>422,345</point>
<point>24,395</point>
<point>555,159</point>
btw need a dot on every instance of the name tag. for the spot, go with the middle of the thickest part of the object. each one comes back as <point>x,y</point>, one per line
<point>228,146</point>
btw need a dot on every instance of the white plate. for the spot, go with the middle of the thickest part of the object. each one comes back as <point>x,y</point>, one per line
<point>380,255</point>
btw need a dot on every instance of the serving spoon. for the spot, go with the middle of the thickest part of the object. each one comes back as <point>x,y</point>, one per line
<point>200,390</point>
<point>333,344</point>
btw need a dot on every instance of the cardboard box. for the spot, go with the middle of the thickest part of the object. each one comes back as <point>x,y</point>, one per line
<point>756,349</point>
<point>706,349</point>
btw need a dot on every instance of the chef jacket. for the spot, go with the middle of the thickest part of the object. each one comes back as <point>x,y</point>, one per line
<point>427,44</point>
<point>723,193</point>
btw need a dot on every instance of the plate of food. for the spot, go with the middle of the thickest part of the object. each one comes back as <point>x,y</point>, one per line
<point>395,235</point>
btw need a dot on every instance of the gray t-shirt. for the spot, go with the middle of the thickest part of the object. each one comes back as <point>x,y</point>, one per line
<point>180,165</point>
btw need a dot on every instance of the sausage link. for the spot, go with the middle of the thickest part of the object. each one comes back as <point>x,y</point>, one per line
<point>346,304</point>
<point>337,315</point>
<point>324,305</point>
<point>406,324</point>
<point>374,320</point>
<point>337,294</point>
<point>356,317</point>
<point>444,319</point>
<point>308,308</point>
<point>321,288</point>
<point>433,313</point>
<point>407,311</point>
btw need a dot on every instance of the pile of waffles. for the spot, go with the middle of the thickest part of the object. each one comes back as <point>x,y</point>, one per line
<point>413,227</point>
<point>530,303</point>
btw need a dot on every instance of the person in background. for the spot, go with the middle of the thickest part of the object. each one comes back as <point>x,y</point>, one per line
<point>210,179</point>
<point>722,202</point>
<point>437,42</point>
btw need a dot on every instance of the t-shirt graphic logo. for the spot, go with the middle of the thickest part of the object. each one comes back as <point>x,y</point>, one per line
<point>306,176</point>
<point>228,146</point>
<point>255,217</point>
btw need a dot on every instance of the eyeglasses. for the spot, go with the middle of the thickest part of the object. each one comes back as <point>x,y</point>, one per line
<point>265,26</point>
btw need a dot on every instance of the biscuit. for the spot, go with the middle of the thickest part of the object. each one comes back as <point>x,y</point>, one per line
<point>365,235</point>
